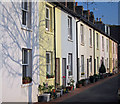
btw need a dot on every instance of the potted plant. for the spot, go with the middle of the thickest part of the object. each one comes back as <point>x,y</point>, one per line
<point>95,77</point>
<point>71,85</point>
<point>83,82</point>
<point>102,70</point>
<point>92,79</point>
<point>82,73</point>
<point>59,89</point>
<point>79,84</point>
<point>43,97</point>
<point>27,80</point>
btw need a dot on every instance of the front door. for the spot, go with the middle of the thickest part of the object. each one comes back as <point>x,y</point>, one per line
<point>58,71</point>
<point>87,68</point>
<point>64,71</point>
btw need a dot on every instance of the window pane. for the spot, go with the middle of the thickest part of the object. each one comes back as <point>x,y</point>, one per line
<point>47,13</point>
<point>23,17</point>
<point>82,63</point>
<point>25,56</point>
<point>24,71</point>
<point>70,63</point>
<point>25,5</point>
<point>47,58</point>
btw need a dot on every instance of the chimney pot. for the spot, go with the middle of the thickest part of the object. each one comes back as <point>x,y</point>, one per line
<point>97,19</point>
<point>76,4</point>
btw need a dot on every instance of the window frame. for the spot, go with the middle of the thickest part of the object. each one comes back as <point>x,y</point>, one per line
<point>70,27</point>
<point>28,13</point>
<point>90,37</point>
<point>97,36</point>
<point>28,69</point>
<point>49,71</point>
<point>82,64</point>
<point>82,33</point>
<point>97,64</point>
<point>102,43</point>
<point>70,64</point>
<point>47,19</point>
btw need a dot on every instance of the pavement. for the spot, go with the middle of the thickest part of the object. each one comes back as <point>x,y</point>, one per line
<point>104,90</point>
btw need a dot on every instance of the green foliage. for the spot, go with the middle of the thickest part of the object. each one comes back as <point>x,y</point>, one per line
<point>102,68</point>
<point>79,82</point>
<point>71,83</point>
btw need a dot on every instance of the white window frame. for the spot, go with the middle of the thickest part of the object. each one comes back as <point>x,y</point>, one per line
<point>82,64</point>
<point>69,27</point>
<point>102,43</point>
<point>47,19</point>
<point>107,44</point>
<point>113,47</point>
<point>28,69</point>
<point>97,36</point>
<point>82,33</point>
<point>97,64</point>
<point>70,64</point>
<point>49,64</point>
<point>28,13</point>
<point>90,37</point>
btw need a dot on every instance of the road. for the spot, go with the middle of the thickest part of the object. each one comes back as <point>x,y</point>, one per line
<point>104,92</point>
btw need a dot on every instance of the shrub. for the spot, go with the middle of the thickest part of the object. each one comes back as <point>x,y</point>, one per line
<point>102,68</point>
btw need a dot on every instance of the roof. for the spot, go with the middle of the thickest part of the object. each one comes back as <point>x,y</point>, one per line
<point>89,23</point>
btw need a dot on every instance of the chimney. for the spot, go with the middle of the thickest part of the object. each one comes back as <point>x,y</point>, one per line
<point>79,10</point>
<point>91,17</point>
<point>86,14</point>
<point>97,19</point>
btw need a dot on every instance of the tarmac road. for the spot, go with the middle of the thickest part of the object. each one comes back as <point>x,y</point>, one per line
<point>104,92</point>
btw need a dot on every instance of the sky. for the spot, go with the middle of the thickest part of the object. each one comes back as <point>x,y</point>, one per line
<point>107,11</point>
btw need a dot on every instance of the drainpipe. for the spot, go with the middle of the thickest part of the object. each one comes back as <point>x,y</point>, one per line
<point>77,50</point>
<point>55,43</point>
<point>94,52</point>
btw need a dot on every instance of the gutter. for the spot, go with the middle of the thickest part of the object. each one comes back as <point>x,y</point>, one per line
<point>77,49</point>
<point>55,43</point>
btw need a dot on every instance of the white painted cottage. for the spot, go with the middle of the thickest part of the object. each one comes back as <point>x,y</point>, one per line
<point>19,51</point>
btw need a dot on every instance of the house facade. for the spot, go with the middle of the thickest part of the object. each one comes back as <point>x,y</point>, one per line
<point>66,46</point>
<point>46,44</point>
<point>85,50</point>
<point>104,51</point>
<point>20,52</point>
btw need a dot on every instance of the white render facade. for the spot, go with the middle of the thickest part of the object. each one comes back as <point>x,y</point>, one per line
<point>104,52</point>
<point>16,37</point>
<point>85,50</point>
<point>68,46</point>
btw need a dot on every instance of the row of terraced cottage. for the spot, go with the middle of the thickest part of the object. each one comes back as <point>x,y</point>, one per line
<point>50,43</point>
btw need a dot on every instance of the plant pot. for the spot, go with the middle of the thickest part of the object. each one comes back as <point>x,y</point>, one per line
<point>61,91</point>
<point>44,98</point>
<point>69,88</point>
<point>92,79</point>
<point>79,85</point>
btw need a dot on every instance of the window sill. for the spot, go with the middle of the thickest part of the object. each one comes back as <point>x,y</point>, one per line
<point>27,85</point>
<point>90,46</point>
<point>26,28</point>
<point>70,40</point>
<point>71,76</point>
<point>82,44</point>
<point>49,32</point>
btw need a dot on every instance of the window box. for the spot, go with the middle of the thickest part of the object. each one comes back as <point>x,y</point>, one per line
<point>27,80</point>
<point>50,76</point>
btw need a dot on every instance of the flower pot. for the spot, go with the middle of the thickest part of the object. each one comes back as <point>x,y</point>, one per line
<point>69,88</point>
<point>79,85</point>
<point>44,98</point>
